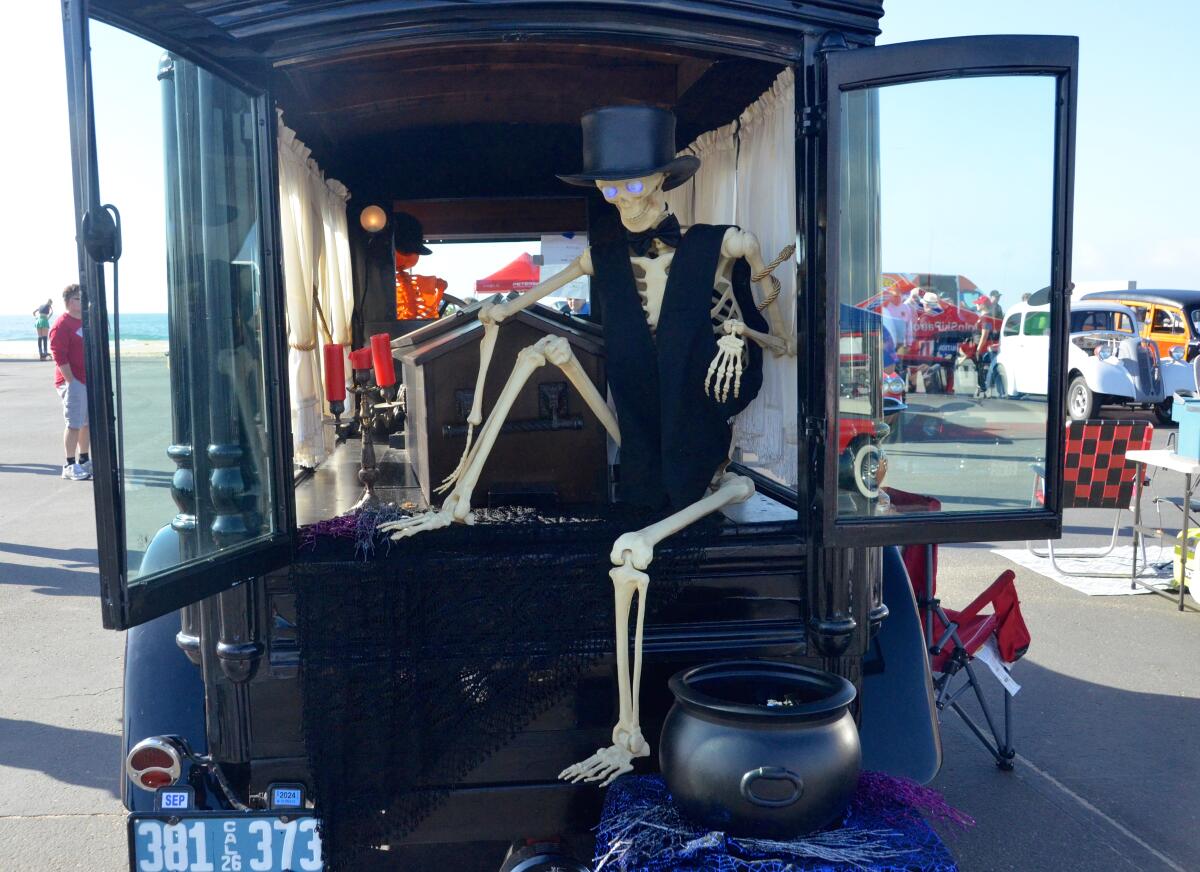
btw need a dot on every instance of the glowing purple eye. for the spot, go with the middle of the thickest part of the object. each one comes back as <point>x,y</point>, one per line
<point>610,191</point>
<point>634,187</point>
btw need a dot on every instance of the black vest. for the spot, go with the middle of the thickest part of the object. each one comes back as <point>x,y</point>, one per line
<point>674,437</point>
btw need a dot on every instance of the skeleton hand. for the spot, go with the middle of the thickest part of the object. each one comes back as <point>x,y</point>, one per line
<point>726,366</point>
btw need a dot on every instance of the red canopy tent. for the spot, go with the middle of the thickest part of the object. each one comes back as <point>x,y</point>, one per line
<point>520,275</point>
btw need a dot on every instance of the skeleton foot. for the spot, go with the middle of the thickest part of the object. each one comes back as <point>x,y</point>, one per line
<point>453,511</point>
<point>608,763</point>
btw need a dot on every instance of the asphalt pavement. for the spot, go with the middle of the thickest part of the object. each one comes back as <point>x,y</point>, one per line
<point>1107,720</point>
<point>60,672</point>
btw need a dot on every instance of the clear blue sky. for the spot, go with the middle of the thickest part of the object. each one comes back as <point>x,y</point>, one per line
<point>1137,182</point>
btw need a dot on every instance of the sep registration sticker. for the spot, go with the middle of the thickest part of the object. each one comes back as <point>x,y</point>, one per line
<point>203,842</point>
<point>173,799</point>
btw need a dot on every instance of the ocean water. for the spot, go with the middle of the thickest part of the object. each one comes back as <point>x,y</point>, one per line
<point>152,325</point>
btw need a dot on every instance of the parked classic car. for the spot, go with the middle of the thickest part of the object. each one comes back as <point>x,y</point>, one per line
<point>1169,318</point>
<point>210,578</point>
<point>1108,363</point>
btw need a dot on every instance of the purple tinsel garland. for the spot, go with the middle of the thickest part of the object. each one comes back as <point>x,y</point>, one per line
<point>882,830</point>
<point>884,796</point>
<point>359,526</point>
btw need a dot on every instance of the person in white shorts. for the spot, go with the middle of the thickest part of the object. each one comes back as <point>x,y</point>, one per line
<point>70,380</point>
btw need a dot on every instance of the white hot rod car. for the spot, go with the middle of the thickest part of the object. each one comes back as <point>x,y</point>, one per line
<point>1108,363</point>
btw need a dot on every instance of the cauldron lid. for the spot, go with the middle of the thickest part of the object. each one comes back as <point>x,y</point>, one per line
<point>833,693</point>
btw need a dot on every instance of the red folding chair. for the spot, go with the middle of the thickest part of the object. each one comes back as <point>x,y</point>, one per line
<point>955,637</point>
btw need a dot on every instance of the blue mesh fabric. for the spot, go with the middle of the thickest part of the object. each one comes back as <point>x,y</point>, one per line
<point>641,831</point>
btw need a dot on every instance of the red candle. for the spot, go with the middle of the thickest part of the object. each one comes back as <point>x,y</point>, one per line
<point>335,373</point>
<point>381,351</point>
<point>361,359</point>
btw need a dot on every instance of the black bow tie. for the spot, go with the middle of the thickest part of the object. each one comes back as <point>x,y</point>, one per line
<point>667,231</point>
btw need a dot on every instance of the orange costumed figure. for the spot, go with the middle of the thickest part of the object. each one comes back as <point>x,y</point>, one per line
<point>417,297</point>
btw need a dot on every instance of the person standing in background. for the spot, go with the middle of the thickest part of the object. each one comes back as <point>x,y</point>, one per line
<point>41,323</point>
<point>70,379</point>
<point>997,312</point>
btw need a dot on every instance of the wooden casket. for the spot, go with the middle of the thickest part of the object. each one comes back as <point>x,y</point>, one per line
<point>552,449</point>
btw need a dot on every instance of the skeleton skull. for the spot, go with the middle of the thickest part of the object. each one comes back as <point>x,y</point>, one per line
<point>640,201</point>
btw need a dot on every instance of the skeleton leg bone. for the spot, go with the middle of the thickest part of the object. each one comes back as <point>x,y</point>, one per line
<point>475,418</point>
<point>457,506</point>
<point>561,355</point>
<point>631,555</point>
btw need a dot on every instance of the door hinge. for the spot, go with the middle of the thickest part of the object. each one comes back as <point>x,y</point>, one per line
<point>812,121</point>
<point>814,428</point>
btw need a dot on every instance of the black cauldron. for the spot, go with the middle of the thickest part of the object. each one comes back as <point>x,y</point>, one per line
<point>760,748</point>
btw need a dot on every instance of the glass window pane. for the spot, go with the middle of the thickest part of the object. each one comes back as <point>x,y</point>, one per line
<point>1167,320</point>
<point>1037,324</point>
<point>946,212</point>
<point>177,153</point>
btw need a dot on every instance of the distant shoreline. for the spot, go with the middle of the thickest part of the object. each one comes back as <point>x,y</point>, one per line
<point>26,349</point>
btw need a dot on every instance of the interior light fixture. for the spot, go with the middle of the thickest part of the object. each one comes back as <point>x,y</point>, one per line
<point>373,219</point>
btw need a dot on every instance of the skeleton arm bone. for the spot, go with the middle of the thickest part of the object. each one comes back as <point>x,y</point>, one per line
<point>765,340</point>
<point>744,244</point>
<point>579,267</point>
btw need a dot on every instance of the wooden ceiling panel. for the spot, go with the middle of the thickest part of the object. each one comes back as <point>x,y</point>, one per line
<point>424,99</point>
<point>546,84</point>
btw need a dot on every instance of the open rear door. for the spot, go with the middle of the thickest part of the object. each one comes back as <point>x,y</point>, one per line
<point>175,194</point>
<point>949,165</point>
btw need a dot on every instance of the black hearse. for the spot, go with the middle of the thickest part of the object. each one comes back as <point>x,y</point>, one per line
<point>242,707</point>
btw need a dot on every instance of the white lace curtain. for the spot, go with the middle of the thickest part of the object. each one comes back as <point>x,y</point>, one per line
<point>709,197</point>
<point>766,205</point>
<point>747,177</point>
<point>317,279</point>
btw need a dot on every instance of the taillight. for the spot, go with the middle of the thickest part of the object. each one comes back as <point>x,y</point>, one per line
<point>150,758</point>
<point>154,762</point>
<point>152,779</point>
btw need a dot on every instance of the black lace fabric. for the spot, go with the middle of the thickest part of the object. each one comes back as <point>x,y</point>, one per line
<point>421,658</point>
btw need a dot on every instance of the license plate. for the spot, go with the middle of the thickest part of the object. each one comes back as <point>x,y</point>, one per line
<point>218,842</point>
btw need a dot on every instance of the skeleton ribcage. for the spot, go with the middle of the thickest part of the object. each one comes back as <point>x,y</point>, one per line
<point>724,303</point>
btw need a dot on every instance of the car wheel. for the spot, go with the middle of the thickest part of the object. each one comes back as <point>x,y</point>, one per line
<point>1081,402</point>
<point>868,460</point>
<point>1162,411</point>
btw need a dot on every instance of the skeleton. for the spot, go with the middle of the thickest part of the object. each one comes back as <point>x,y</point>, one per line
<point>642,206</point>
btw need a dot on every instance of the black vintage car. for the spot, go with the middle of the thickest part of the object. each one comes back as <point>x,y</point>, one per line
<point>238,717</point>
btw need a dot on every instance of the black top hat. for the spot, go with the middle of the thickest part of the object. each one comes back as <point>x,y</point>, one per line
<point>627,142</point>
<point>407,234</point>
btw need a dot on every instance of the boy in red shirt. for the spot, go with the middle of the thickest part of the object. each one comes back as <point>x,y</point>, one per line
<point>70,378</point>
